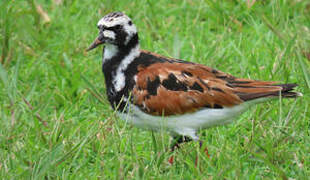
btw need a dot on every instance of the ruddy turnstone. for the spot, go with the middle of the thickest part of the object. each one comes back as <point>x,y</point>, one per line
<point>154,92</point>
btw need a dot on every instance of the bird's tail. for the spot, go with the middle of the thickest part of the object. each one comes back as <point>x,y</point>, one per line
<point>262,89</point>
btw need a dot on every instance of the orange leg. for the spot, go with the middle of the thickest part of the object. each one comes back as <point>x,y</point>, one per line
<point>206,151</point>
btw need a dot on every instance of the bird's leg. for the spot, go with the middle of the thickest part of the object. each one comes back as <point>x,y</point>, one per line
<point>205,150</point>
<point>177,140</point>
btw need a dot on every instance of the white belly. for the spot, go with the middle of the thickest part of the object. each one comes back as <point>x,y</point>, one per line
<point>187,124</point>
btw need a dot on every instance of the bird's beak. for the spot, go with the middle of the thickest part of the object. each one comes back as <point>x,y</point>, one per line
<point>99,40</point>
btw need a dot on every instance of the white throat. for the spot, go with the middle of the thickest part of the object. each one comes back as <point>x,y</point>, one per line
<point>110,51</point>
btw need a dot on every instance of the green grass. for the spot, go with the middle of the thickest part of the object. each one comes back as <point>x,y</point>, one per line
<point>55,120</point>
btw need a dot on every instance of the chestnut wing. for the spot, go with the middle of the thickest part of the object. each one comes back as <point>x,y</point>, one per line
<point>172,88</point>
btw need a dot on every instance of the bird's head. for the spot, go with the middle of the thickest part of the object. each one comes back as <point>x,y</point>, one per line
<point>114,28</point>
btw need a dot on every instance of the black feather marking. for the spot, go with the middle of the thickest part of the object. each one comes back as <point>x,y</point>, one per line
<point>205,84</point>
<point>114,14</point>
<point>230,85</point>
<point>214,71</point>
<point>226,78</point>
<point>217,106</point>
<point>147,97</point>
<point>217,89</point>
<point>152,86</point>
<point>187,73</point>
<point>196,87</point>
<point>172,83</point>
<point>208,105</point>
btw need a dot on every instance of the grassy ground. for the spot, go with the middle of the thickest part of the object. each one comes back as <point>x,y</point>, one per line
<point>55,120</point>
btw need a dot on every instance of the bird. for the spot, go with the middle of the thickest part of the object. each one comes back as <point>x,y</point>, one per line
<point>155,92</point>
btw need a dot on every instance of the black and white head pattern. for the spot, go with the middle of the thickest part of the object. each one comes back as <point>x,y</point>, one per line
<point>117,28</point>
<point>121,47</point>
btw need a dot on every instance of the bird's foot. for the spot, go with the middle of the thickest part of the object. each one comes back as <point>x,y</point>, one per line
<point>176,145</point>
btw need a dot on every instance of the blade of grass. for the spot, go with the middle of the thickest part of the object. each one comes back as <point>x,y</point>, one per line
<point>272,28</point>
<point>303,67</point>
<point>94,91</point>
<point>5,81</point>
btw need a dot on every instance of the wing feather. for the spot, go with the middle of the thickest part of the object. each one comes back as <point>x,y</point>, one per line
<point>172,87</point>
<point>177,88</point>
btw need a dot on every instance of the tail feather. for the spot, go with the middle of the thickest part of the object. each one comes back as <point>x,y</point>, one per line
<point>287,87</point>
<point>266,91</point>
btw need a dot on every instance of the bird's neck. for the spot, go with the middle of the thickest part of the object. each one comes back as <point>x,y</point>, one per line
<point>116,64</point>
<point>115,56</point>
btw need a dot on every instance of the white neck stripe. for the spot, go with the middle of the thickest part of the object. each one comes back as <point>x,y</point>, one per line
<point>119,80</point>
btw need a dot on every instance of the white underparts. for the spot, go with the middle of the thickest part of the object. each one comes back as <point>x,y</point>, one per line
<point>187,124</point>
<point>119,79</point>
